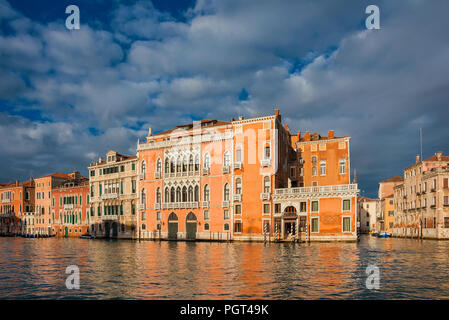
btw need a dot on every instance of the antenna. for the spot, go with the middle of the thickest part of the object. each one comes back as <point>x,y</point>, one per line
<point>420,139</point>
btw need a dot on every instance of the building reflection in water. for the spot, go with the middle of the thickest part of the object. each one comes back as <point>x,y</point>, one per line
<point>35,268</point>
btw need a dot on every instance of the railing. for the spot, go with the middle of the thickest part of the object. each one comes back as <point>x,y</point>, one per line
<point>6,200</point>
<point>264,196</point>
<point>142,206</point>
<point>226,169</point>
<point>301,190</point>
<point>180,205</point>
<point>157,175</point>
<point>109,217</point>
<point>205,204</point>
<point>142,176</point>
<point>237,197</point>
<point>157,206</point>
<point>225,204</point>
<point>69,206</point>
<point>237,165</point>
<point>265,162</point>
<point>206,170</point>
<point>107,196</point>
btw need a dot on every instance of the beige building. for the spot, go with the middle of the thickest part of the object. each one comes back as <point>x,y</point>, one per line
<point>113,196</point>
<point>422,202</point>
<point>385,206</point>
<point>367,213</point>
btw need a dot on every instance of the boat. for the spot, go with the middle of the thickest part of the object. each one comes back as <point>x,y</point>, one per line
<point>384,234</point>
<point>374,234</point>
<point>86,236</point>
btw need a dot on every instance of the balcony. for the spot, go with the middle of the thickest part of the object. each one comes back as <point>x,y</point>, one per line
<point>69,206</point>
<point>433,190</point>
<point>157,175</point>
<point>206,171</point>
<point>205,204</point>
<point>317,189</point>
<point>265,163</point>
<point>226,169</point>
<point>108,196</point>
<point>110,217</point>
<point>6,200</point>
<point>142,206</point>
<point>264,196</point>
<point>237,197</point>
<point>237,165</point>
<point>157,206</point>
<point>225,204</point>
<point>142,176</point>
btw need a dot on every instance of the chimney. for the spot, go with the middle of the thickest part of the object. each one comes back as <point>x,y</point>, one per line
<point>330,134</point>
<point>17,183</point>
<point>150,131</point>
<point>439,154</point>
<point>232,119</point>
<point>241,118</point>
<point>100,160</point>
<point>417,158</point>
<point>307,136</point>
<point>276,112</point>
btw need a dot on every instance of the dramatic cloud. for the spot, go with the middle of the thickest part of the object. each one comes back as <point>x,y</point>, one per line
<point>67,97</point>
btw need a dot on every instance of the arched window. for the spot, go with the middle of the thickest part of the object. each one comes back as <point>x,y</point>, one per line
<point>190,194</point>
<point>226,159</point>
<point>266,185</point>
<point>197,163</point>
<point>158,195</point>
<point>179,164</point>
<point>184,164</point>
<point>206,161</point>
<point>167,195</point>
<point>226,192</point>
<point>178,194</point>
<point>238,155</point>
<point>191,163</point>
<point>143,197</point>
<point>197,194</point>
<point>143,168</point>
<point>323,168</point>
<point>172,165</point>
<point>172,194</point>
<point>184,194</point>
<point>206,193</point>
<point>167,165</point>
<point>238,186</point>
<point>158,165</point>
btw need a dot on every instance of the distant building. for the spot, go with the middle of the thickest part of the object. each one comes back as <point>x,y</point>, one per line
<point>16,202</point>
<point>422,202</point>
<point>367,209</point>
<point>70,207</point>
<point>385,207</point>
<point>113,196</point>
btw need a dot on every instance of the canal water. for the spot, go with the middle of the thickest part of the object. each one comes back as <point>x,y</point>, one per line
<point>408,269</point>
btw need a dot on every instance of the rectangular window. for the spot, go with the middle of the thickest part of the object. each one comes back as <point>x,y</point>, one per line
<point>346,224</point>
<point>238,155</point>
<point>445,183</point>
<point>238,226</point>
<point>92,173</point>
<point>446,222</point>
<point>133,166</point>
<point>133,209</point>
<point>342,166</point>
<point>277,208</point>
<point>122,168</point>
<point>322,147</point>
<point>133,186</point>
<point>323,168</point>
<point>342,145</point>
<point>266,208</point>
<point>238,209</point>
<point>315,206</point>
<point>121,187</point>
<point>315,225</point>
<point>303,206</point>
<point>313,147</point>
<point>292,172</point>
<point>346,205</point>
<point>446,200</point>
<point>267,152</point>
<point>143,215</point>
<point>226,214</point>
<point>206,214</point>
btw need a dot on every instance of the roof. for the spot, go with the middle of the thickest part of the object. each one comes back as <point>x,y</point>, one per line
<point>59,175</point>
<point>388,196</point>
<point>204,123</point>
<point>362,198</point>
<point>17,184</point>
<point>394,179</point>
<point>435,158</point>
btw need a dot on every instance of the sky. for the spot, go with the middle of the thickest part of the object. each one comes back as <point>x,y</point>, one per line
<point>69,96</point>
